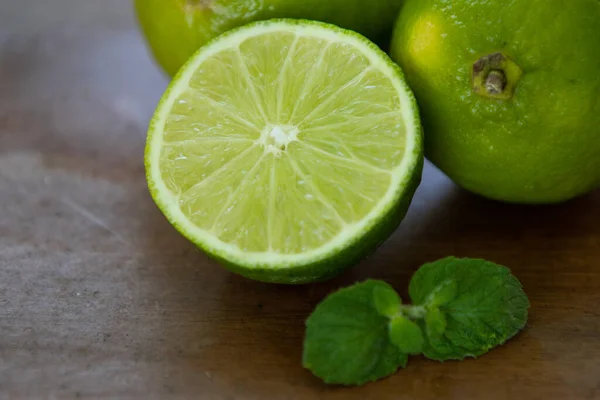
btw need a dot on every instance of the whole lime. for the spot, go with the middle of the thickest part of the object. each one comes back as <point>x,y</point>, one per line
<point>509,93</point>
<point>175,29</point>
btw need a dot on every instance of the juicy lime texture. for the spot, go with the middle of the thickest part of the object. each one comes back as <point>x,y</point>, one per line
<point>540,145</point>
<point>283,145</point>
<point>175,29</point>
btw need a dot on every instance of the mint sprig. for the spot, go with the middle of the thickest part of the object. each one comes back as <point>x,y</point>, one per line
<point>461,308</point>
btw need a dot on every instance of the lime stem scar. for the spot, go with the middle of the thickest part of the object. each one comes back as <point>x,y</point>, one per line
<point>496,76</point>
<point>495,82</point>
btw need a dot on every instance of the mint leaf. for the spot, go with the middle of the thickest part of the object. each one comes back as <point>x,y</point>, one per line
<point>485,309</point>
<point>436,347</point>
<point>406,334</point>
<point>386,300</point>
<point>435,321</point>
<point>347,336</point>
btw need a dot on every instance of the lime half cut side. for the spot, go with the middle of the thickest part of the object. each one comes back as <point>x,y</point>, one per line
<point>286,149</point>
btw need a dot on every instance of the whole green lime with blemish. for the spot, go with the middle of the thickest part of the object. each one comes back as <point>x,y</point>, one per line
<point>509,93</point>
<point>175,29</point>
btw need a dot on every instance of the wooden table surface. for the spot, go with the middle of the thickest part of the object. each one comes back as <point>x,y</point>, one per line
<point>101,298</point>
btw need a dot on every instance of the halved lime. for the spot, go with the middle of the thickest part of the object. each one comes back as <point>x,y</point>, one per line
<point>286,149</point>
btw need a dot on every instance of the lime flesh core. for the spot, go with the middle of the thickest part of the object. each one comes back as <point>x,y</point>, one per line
<point>537,140</point>
<point>175,29</point>
<point>286,149</point>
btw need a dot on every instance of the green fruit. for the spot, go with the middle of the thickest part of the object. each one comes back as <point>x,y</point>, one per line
<point>509,93</point>
<point>286,149</point>
<point>175,29</point>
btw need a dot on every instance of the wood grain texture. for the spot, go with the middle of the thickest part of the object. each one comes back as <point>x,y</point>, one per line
<point>101,298</point>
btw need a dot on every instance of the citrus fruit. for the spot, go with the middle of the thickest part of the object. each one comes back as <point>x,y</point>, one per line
<point>509,93</point>
<point>286,149</point>
<point>175,29</point>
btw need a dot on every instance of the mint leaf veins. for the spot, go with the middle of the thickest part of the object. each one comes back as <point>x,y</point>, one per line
<point>461,308</point>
